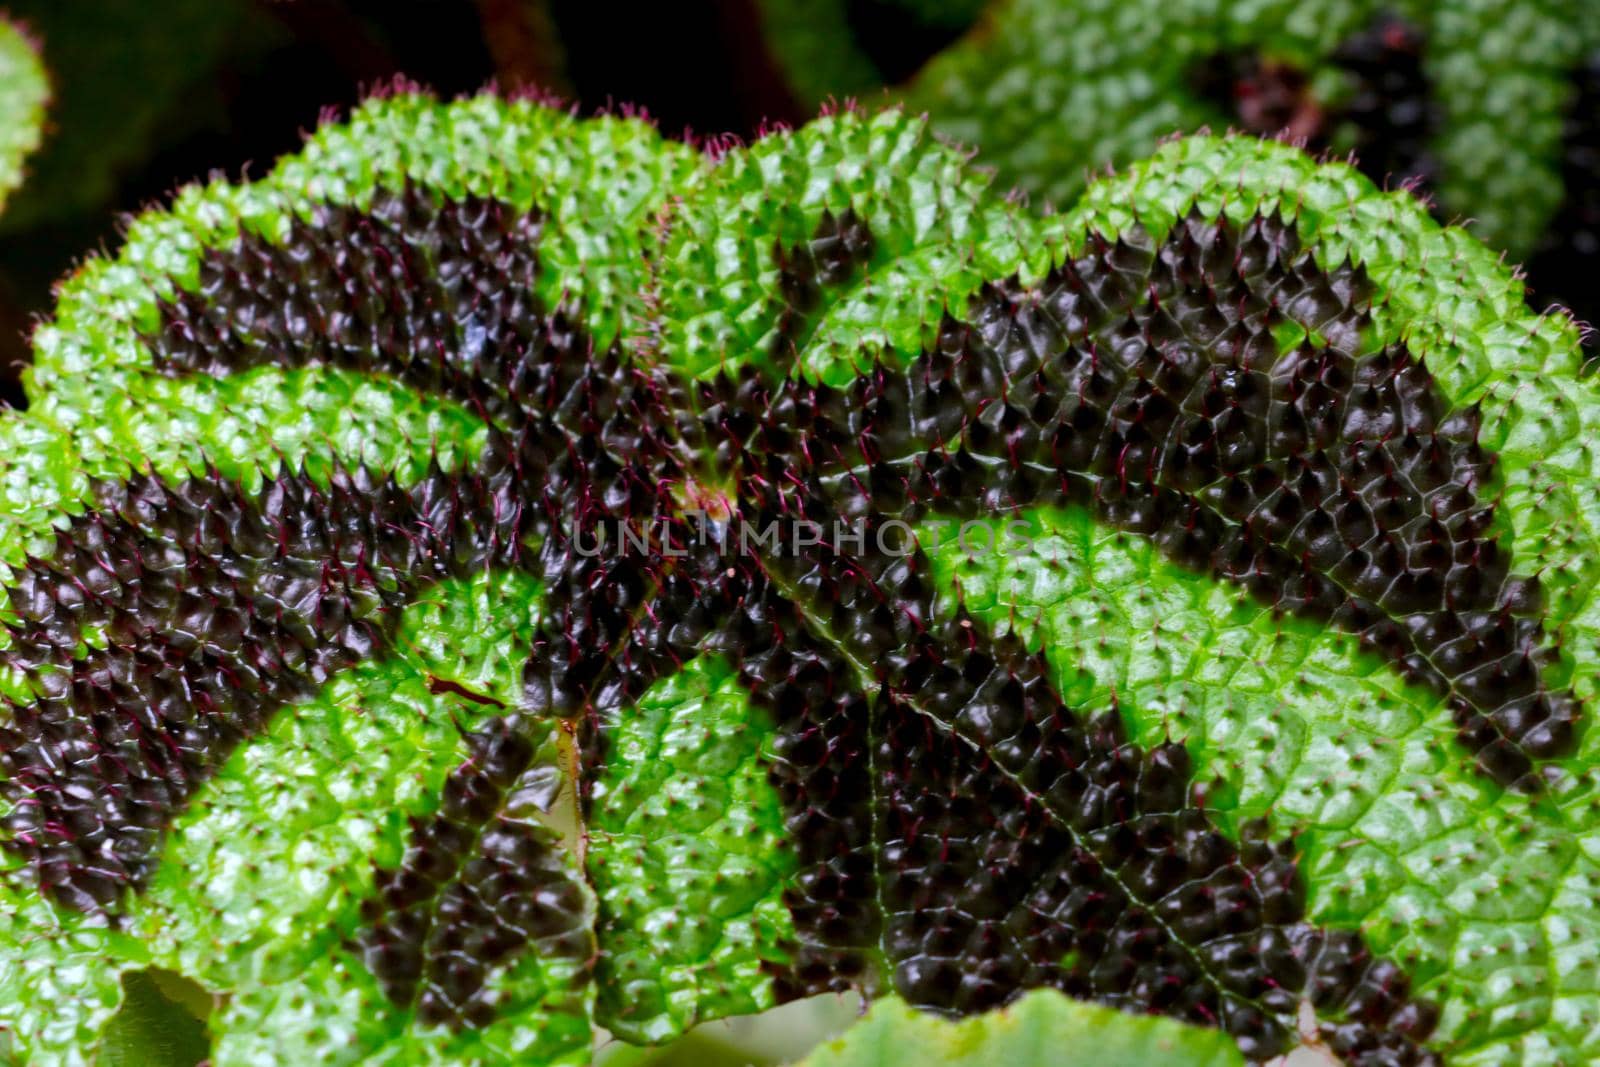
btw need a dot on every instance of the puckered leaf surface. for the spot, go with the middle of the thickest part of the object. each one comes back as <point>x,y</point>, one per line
<point>428,629</point>
<point>1467,97</point>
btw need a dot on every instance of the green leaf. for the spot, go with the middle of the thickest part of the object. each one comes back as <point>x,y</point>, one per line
<point>24,91</point>
<point>152,1029</point>
<point>686,854</point>
<point>316,696</point>
<point>1042,1029</point>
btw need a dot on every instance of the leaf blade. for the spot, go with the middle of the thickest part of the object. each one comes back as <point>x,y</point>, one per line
<point>1042,1029</point>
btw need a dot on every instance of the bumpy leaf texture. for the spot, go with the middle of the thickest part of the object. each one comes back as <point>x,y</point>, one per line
<point>24,91</point>
<point>1042,1028</point>
<point>1486,104</point>
<point>372,522</point>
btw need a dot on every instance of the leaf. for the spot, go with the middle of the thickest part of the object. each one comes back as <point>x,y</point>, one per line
<point>417,637</point>
<point>1041,1028</point>
<point>1417,95</point>
<point>685,848</point>
<point>152,1029</point>
<point>24,91</point>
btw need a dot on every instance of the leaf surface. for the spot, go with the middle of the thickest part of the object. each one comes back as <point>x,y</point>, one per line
<point>1040,1028</point>
<point>325,691</point>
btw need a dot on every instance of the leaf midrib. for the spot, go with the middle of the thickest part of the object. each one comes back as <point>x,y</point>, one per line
<point>870,683</point>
